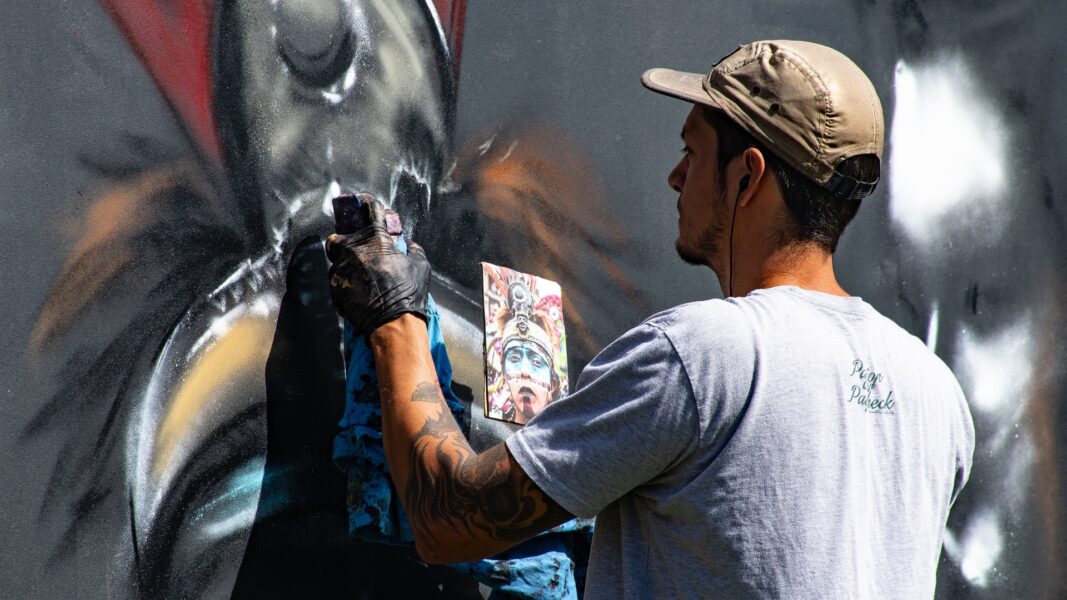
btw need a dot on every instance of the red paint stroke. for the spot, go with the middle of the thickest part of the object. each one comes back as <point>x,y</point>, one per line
<point>452,14</point>
<point>173,40</point>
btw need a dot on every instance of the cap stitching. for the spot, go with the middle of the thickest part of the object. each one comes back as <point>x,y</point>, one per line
<point>791,58</point>
<point>875,111</point>
<point>744,63</point>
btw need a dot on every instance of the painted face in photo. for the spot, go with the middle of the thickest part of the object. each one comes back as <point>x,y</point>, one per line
<point>526,360</point>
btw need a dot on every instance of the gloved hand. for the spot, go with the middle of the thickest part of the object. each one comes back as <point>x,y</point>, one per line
<point>371,281</point>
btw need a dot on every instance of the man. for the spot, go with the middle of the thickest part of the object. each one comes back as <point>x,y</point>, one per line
<point>787,442</point>
<point>526,359</point>
<point>528,373</point>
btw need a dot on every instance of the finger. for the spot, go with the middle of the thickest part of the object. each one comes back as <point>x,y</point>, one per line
<point>376,210</point>
<point>334,243</point>
<point>416,249</point>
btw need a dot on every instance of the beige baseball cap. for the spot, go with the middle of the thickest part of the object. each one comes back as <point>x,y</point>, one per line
<point>809,104</point>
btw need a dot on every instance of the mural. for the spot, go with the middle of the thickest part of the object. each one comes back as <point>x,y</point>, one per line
<point>185,355</point>
<point>172,376</point>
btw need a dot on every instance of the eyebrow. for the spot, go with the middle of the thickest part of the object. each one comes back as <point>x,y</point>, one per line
<point>682,134</point>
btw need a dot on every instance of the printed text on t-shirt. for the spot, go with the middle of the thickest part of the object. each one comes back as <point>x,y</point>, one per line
<point>865,392</point>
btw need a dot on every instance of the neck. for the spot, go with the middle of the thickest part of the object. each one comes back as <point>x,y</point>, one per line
<point>802,265</point>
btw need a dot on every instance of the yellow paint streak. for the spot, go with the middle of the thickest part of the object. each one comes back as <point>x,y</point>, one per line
<point>227,366</point>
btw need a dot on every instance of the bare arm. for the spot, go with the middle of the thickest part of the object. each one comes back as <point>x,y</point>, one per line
<point>462,505</point>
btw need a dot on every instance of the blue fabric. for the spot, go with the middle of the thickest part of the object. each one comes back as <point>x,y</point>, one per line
<point>542,567</point>
<point>373,512</point>
<point>549,566</point>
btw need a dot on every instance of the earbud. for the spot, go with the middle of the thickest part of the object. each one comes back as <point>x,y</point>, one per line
<point>741,186</point>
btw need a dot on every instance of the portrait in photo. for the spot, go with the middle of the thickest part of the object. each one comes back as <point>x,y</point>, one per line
<point>525,344</point>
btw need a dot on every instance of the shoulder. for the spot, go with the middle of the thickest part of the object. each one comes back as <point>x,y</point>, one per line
<point>713,341</point>
<point>646,343</point>
<point>910,347</point>
<point>947,397</point>
<point>921,361</point>
<point>658,349</point>
<point>686,315</point>
<point>708,325</point>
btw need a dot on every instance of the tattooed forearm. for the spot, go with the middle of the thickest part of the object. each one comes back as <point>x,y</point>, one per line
<point>450,487</point>
<point>427,392</point>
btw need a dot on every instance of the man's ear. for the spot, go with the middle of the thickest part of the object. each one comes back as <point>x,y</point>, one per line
<point>754,175</point>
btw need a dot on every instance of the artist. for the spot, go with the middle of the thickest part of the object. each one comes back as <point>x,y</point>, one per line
<point>786,442</point>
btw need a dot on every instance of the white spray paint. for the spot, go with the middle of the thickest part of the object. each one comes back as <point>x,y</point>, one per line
<point>948,167</point>
<point>996,373</point>
<point>995,370</point>
<point>332,191</point>
<point>979,549</point>
<point>933,327</point>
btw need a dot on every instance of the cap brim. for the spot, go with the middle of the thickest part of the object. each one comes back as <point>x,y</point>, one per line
<point>678,84</point>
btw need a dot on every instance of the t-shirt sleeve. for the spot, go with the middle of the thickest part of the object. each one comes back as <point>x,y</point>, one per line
<point>964,445</point>
<point>631,418</point>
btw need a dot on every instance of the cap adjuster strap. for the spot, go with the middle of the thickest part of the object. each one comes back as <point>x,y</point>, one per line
<point>849,188</point>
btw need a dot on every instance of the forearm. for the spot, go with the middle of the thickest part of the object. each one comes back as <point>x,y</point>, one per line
<point>409,389</point>
<point>461,505</point>
<point>430,460</point>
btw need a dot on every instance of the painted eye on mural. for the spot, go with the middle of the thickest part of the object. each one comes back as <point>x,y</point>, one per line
<point>315,39</point>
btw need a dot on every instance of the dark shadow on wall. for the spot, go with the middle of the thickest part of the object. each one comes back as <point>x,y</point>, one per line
<point>299,542</point>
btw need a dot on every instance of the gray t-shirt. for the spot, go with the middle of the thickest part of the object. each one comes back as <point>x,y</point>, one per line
<point>787,444</point>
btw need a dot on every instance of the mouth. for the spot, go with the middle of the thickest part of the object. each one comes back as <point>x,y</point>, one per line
<point>526,400</point>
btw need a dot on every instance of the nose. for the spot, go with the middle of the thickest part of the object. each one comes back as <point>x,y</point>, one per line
<point>676,178</point>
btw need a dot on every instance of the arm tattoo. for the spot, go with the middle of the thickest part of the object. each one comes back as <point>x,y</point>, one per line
<point>426,392</point>
<point>448,483</point>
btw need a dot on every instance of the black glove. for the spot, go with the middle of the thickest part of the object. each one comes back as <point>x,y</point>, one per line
<point>371,281</point>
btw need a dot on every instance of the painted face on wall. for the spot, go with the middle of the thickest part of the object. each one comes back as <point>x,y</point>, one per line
<point>528,372</point>
<point>335,96</point>
<point>313,98</point>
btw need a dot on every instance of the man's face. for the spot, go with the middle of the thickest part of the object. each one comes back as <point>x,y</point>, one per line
<point>528,373</point>
<point>702,206</point>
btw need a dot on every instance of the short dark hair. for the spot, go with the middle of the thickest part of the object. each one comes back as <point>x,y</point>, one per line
<point>819,217</point>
